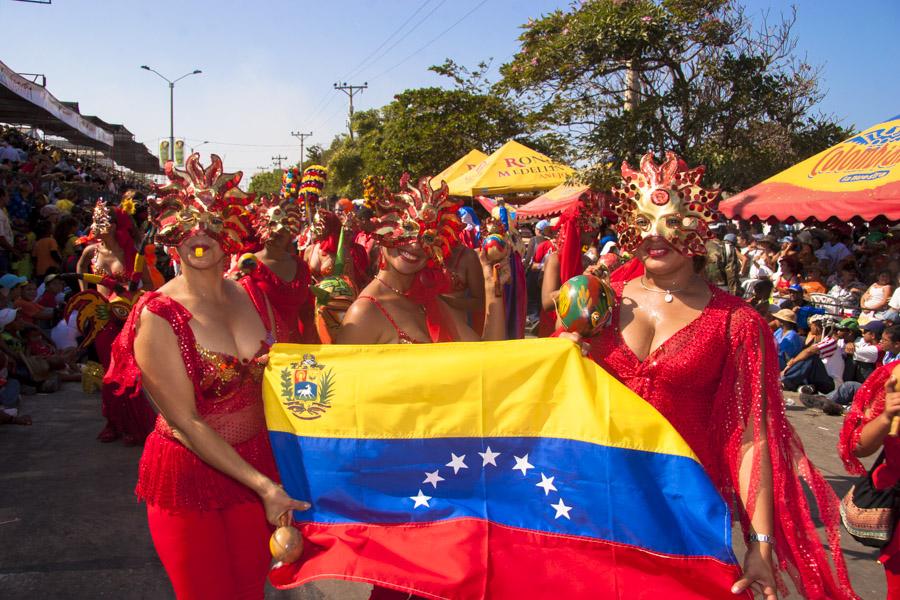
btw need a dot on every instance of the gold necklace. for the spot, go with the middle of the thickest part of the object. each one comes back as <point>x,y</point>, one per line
<point>393,289</point>
<point>399,293</point>
<point>668,293</point>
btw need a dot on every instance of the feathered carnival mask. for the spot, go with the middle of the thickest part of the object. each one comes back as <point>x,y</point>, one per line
<point>418,214</point>
<point>664,201</point>
<point>273,215</point>
<point>200,199</point>
<point>325,224</point>
<point>105,217</point>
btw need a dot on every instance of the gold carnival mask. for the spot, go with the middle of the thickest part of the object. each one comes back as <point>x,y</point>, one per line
<point>664,201</point>
<point>201,199</point>
<point>274,215</point>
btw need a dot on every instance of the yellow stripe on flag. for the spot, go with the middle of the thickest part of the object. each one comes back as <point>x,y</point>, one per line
<point>527,388</point>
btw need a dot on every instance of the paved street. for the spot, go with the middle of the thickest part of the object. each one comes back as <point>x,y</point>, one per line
<point>70,527</point>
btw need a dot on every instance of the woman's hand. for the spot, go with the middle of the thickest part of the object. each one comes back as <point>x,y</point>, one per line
<point>277,502</point>
<point>891,400</point>
<point>759,574</point>
<point>584,345</point>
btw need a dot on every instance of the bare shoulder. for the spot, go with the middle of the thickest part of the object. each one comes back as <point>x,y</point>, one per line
<point>363,324</point>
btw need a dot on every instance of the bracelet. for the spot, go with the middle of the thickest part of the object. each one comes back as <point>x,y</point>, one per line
<point>761,537</point>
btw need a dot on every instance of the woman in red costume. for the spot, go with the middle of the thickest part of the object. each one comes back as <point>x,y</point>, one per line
<point>466,295</point>
<point>281,275</point>
<point>197,348</point>
<point>865,432</point>
<point>417,229</point>
<point>109,261</point>
<point>324,233</point>
<point>708,363</point>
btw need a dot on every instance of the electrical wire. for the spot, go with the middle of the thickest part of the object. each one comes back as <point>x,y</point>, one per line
<point>433,40</point>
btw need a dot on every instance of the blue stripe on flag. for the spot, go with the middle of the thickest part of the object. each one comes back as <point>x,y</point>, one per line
<point>659,502</point>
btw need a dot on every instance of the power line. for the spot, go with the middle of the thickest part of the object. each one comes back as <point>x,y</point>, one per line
<point>359,67</point>
<point>433,40</point>
<point>276,160</point>
<point>404,37</point>
<point>327,99</point>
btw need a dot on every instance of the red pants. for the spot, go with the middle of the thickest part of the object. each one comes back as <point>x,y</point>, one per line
<point>222,554</point>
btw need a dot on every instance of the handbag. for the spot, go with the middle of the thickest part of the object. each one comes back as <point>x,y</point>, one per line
<point>870,514</point>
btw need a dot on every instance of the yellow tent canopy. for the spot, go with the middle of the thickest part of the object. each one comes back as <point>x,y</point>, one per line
<point>460,167</point>
<point>512,169</point>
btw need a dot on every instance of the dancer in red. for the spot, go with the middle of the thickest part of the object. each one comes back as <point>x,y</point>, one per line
<point>865,432</point>
<point>281,275</point>
<point>708,363</point>
<point>197,348</point>
<point>111,262</point>
<point>321,252</point>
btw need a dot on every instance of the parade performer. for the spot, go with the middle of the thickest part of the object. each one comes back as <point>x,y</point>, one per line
<point>865,432</point>
<point>578,227</point>
<point>417,229</point>
<point>279,273</point>
<point>466,295</point>
<point>324,233</point>
<point>197,348</point>
<point>111,262</point>
<point>708,363</point>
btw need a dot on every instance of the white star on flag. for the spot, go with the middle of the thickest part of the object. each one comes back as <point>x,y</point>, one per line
<point>422,500</point>
<point>547,484</point>
<point>561,509</point>
<point>433,478</point>
<point>488,458</point>
<point>522,464</point>
<point>457,463</point>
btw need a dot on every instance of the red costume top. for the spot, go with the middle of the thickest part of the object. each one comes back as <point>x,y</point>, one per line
<point>228,393</point>
<point>291,302</point>
<point>719,386</point>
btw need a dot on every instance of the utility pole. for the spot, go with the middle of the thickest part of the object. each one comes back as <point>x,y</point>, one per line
<point>302,137</point>
<point>276,160</point>
<point>350,90</point>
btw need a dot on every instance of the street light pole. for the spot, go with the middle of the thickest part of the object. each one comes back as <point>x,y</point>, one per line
<point>172,121</point>
<point>171,104</point>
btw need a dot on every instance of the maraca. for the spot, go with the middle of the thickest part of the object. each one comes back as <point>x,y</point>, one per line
<point>286,544</point>
<point>585,304</point>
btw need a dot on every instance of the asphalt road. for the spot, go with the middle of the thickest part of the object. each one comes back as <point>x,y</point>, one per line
<point>71,528</point>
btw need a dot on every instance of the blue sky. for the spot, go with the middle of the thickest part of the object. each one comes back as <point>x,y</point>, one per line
<point>268,66</point>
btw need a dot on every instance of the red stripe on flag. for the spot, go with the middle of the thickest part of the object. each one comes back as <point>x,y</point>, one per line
<point>451,559</point>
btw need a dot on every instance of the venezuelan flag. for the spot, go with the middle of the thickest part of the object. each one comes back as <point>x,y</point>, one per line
<point>511,469</point>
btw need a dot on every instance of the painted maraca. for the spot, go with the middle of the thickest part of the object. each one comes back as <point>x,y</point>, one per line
<point>585,304</point>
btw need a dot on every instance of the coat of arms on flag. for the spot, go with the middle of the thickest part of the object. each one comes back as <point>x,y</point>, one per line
<point>307,388</point>
<point>490,470</point>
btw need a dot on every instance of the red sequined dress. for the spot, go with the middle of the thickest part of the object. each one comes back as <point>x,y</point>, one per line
<point>228,393</point>
<point>127,415</point>
<point>719,386</point>
<point>291,302</point>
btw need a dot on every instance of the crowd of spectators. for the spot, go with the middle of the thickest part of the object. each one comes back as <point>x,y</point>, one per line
<point>46,199</point>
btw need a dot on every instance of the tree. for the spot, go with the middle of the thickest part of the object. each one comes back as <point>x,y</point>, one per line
<point>619,77</point>
<point>266,182</point>
<point>424,130</point>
